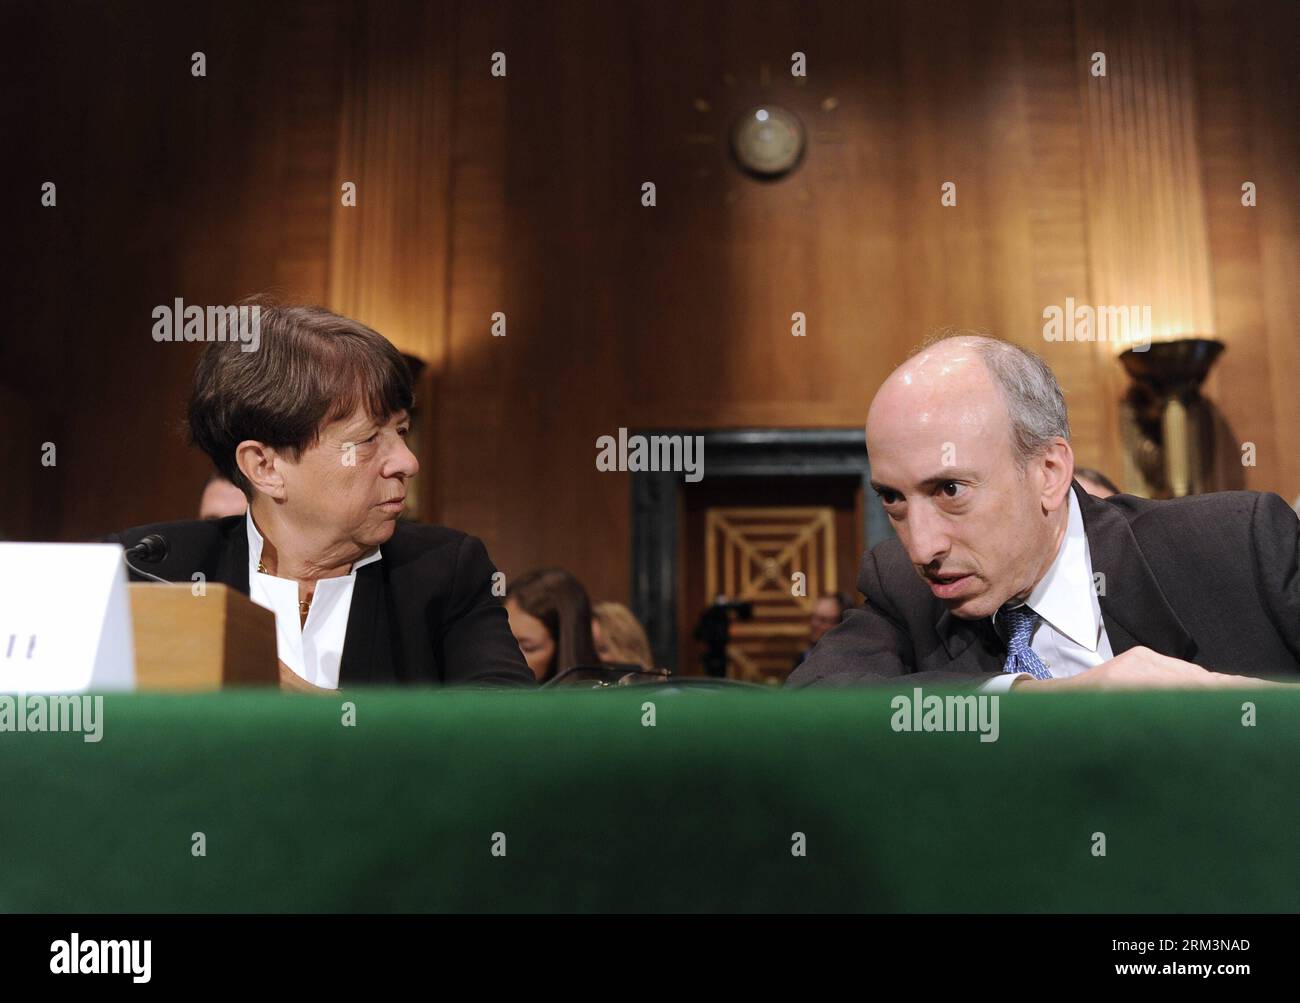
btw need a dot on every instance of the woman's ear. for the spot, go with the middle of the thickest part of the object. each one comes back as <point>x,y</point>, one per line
<point>259,463</point>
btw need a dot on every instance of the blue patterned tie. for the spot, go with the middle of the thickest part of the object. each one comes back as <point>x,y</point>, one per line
<point>1020,622</point>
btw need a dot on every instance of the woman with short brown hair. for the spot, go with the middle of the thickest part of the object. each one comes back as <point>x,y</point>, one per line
<point>312,427</point>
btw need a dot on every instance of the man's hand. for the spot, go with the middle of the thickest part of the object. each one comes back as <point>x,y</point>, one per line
<point>1143,669</point>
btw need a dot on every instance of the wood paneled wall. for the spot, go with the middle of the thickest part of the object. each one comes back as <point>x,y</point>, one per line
<point>522,195</point>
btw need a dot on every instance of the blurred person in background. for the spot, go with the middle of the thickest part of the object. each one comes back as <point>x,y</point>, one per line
<point>550,616</point>
<point>619,637</point>
<point>221,498</point>
<point>1095,482</point>
<point>828,610</point>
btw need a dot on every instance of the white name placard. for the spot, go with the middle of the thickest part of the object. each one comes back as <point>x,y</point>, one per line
<point>65,620</point>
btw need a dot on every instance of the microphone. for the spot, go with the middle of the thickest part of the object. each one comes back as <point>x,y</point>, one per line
<point>151,549</point>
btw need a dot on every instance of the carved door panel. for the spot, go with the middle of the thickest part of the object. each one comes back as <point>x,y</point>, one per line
<point>780,560</point>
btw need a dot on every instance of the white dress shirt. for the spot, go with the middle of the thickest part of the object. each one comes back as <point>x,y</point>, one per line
<point>312,649</point>
<point>1070,636</point>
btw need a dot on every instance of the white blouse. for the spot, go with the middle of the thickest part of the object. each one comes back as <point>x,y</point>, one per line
<point>312,649</point>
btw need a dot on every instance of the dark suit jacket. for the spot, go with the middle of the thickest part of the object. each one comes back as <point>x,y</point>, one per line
<point>425,613</point>
<point>1212,579</point>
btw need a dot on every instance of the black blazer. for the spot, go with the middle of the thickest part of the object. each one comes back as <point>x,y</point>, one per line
<point>1211,579</point>
<point>425,613</point>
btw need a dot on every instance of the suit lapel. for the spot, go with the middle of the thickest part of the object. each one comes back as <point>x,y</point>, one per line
<point>971,646</point>
<point>232,567</point>
<point>955,633</point>
<point>1134,606</point>
<point>366,641</point>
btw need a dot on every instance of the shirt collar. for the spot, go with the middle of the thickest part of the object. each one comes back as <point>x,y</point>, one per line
<point>1065,597</point>
<point>255,548</point>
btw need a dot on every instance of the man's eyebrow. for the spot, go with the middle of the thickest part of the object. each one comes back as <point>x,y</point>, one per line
<point>930,483</point>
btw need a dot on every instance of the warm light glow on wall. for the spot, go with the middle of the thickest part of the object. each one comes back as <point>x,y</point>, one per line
<point>388,252</point>
<point>1148,244</point>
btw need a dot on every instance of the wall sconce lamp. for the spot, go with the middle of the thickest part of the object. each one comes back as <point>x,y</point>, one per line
<point>1166,423</point>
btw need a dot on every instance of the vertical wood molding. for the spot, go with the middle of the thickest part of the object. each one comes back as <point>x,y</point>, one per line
<point>388,255</point>
<point>1147,237</point>
<point>302,145</point>
<point>388,263</point>
<point>1054,198</point>
<point>470,487</point>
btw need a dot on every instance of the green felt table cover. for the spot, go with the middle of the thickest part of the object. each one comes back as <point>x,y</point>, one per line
<point>699,812</point>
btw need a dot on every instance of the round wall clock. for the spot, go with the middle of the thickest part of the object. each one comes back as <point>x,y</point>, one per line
<point>768,141</point>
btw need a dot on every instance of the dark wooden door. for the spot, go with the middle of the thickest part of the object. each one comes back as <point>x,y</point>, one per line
<point>777,543</point>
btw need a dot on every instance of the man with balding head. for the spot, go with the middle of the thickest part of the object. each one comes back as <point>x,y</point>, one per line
<point>1005,572</point>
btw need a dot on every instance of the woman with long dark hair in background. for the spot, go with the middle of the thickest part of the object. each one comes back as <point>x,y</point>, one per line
<point>550,616</point>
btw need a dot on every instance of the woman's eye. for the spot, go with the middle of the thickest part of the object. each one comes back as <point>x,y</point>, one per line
<point>404,431</point>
